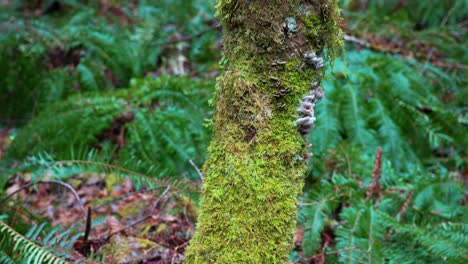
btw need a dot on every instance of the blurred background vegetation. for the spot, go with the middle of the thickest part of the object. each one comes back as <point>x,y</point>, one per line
<point>123,87</point>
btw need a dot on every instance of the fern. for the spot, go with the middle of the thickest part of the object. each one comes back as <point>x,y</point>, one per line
<point>15,247</point>
<point>161,121</point>
<point>96,53</point>
<point>381,100</point>
<point>70,126</point>
<point>430,228</point>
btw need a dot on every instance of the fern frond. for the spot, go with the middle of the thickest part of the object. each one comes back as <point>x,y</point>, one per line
<point>383,100</point>
<point>326,133</point>
<point>20,248</point>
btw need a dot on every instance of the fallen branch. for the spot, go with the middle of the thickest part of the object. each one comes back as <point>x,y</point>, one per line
<point>126,195</point>
<point>430,55</point>
<point>176,40</point>
<point>63,184</point>
<point>139,220</point>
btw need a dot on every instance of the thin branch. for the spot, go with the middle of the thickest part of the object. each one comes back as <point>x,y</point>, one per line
<point>355,40</point>
<point>200,174</point>
<point>428,56</point>
<point>63,184</point>
<point>175,254</point>
<point>88,225</point>
<point>302,204</point>
<point>187,38</point>
<point>141,219</point>
<point>126,195</point>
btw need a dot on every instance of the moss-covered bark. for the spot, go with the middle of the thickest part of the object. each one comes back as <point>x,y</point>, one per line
<point>255,170</point>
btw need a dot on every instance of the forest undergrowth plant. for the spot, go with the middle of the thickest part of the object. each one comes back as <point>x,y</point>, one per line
<point>16,248</point>
<point>155,127</point>
<point>63,70</point>
<point>383,100</point>
<point>81,48</point>
<point>414,217</point>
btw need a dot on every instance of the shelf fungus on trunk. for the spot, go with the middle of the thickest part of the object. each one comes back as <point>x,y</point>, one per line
<point>306,120</point>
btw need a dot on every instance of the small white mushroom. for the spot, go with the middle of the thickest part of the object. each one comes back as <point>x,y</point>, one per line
<point>313,60</point>
<point>319,93</point>
<point>305,121</point>
<point>305,112</point>
<point>307,105</point>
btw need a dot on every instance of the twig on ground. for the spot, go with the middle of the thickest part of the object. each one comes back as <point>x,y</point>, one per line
<point>141,219</point>
<point>126,195</point>
<point>63,184</point>
<point>88,225</point>
<point>176,254</point>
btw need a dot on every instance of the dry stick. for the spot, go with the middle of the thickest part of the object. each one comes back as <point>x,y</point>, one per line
<point>200,174</point>
<point>66,185</point>
<point>353,39</point>
<point>187,38</point>
<point>86,162</point>
<point>301,204</point>
<point>176,249</point>
<point>142,219</point>
<point>88,225</point>
<point>371,46</point>
<point>126,195</point>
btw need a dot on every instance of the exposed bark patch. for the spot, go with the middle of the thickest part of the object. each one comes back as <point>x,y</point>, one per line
<point>249,133</point>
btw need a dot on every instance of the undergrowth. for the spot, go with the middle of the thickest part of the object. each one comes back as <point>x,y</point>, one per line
<point>82,47</point>
<point>418,216</point>
<point>155,127</point>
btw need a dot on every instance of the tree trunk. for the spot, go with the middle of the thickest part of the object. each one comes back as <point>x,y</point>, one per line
<point>255,167</point>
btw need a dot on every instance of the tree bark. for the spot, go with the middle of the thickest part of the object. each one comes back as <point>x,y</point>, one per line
<point>255,167</point>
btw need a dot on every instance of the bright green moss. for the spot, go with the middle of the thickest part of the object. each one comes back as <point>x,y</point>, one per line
<point>322,28</point>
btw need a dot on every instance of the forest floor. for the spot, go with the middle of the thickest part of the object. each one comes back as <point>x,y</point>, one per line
<point>149,225</point>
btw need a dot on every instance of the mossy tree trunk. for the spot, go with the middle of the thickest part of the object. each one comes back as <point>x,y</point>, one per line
<point>255,168</point>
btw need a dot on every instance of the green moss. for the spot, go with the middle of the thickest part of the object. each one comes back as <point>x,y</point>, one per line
<point>249,203</point>
<point>322,28</point>
<point>314,27</point>
<point>249,197</point>
<point>123,249</point>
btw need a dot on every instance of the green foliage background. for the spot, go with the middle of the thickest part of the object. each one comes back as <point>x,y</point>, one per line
<point>132,89</point>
